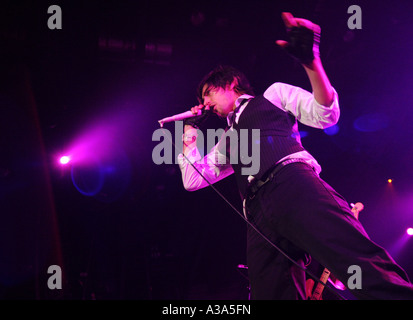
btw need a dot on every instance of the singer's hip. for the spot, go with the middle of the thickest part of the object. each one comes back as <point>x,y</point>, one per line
<point>289,189</point>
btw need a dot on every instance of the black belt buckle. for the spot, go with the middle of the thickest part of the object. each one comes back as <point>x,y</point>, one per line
<point>256,184</point>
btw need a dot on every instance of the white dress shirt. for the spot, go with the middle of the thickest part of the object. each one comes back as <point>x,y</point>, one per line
<point>295,100</point>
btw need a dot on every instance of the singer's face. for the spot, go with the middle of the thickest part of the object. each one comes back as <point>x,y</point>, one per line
<point>221,101</point>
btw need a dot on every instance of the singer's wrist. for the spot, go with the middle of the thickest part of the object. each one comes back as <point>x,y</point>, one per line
<point>189,140</point>
<point>188,129</point>
<point>189,137</point>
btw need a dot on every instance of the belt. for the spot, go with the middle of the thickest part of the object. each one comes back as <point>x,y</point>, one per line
<point>257,184</point>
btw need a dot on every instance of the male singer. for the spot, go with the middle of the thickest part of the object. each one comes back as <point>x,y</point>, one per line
<point>287,200</point>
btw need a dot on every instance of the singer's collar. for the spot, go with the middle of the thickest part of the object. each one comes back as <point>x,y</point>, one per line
<point>238,110</point>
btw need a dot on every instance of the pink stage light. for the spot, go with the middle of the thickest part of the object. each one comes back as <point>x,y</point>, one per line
<point>409,231</point>
<point>64,160</point>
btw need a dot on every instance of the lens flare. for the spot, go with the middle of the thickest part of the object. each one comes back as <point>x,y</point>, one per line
<point>64,160</point>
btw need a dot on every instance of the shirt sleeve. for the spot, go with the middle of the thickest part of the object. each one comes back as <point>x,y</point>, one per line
<point>214,167</point>
<point>303,105</point>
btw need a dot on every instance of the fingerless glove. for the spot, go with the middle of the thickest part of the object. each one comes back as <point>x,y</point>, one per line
<point>303,44</point>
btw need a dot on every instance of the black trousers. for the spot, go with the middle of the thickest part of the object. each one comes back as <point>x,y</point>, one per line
<point>303,215</point>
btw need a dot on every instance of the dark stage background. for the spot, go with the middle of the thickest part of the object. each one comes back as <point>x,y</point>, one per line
<point>122,227</point>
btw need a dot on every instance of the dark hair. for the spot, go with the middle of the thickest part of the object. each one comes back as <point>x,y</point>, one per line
<point>223,76</point>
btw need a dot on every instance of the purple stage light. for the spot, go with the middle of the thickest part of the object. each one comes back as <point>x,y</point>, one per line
<point>409,231</point>
<point>64,160</point>
<point>371,122</point>
<point>331,131</point>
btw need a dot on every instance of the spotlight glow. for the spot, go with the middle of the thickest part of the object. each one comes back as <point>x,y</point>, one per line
<point>389,180</point>
<point>331,131</point>
<point>64,160</point>
<point>409,231</point>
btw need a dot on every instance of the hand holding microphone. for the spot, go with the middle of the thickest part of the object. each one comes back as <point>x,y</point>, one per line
<point>201,113</point>
<point>195,117</point>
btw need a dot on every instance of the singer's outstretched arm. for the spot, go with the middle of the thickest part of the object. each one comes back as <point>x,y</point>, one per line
<point>322,89</point>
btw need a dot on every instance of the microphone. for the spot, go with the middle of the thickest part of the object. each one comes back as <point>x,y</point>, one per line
<point>179,116</point>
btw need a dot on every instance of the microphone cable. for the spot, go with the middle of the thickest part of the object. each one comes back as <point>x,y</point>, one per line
<point>310,274</point>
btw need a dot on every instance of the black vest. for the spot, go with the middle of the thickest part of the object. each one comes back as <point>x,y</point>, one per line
<point>276,139</point>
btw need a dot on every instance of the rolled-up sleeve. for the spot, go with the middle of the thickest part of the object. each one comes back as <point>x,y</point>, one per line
<point>303,105</point>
